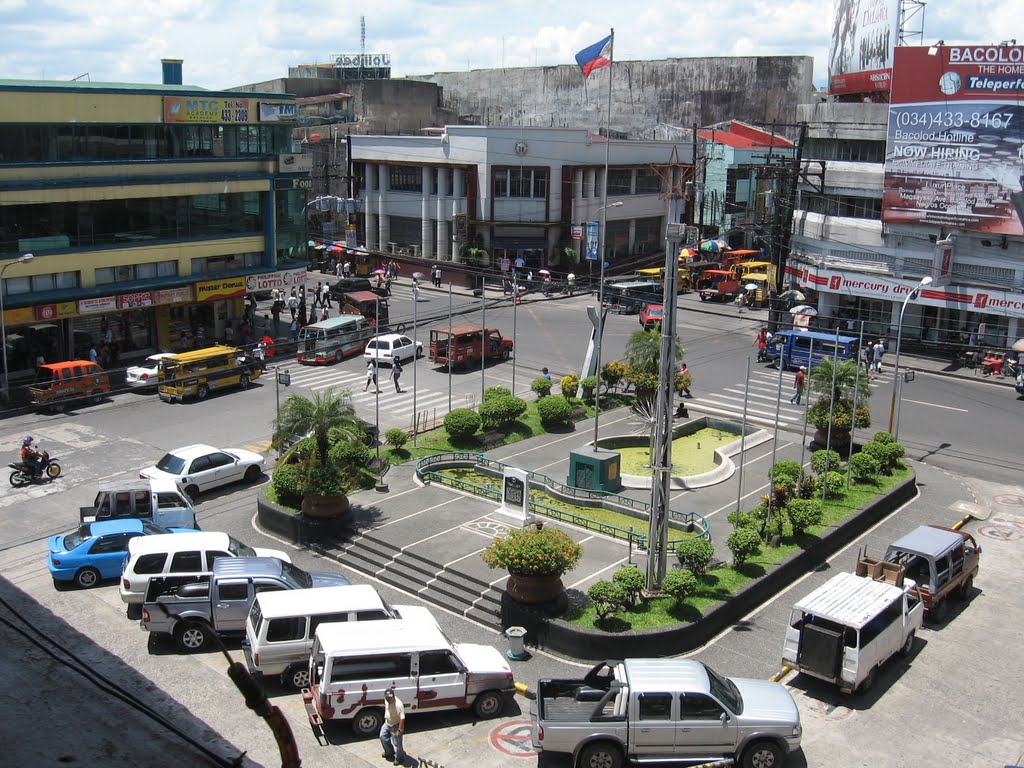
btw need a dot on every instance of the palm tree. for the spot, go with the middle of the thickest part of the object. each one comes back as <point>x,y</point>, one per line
<point>846,381</point>
<point>317,416</point>
<point>643,351</point>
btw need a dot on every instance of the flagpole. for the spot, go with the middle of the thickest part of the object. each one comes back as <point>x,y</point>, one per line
<point>601,244</point>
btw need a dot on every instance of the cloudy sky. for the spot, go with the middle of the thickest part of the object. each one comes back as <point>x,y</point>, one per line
<point>226,43</point>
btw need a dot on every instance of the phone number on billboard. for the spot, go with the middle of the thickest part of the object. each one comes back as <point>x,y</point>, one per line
<point>908,119</point>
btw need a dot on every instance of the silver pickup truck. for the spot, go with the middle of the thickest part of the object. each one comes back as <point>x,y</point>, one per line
<point>219,603</point>
<point>676,710</point>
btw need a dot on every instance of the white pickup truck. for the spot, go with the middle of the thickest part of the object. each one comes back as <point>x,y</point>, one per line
<point>653,710</point>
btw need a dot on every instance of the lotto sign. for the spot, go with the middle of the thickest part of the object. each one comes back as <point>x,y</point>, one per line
<point>577,232</point>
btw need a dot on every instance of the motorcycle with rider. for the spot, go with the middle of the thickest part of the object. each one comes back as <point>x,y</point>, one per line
<point>35,465</point>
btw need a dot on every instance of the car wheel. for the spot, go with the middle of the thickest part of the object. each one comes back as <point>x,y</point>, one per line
<point>601,754</point>
<point>202,392</point>
<point>938,613</point>
<point>505,354</point>
<point>252,474</point>
<point>134,611</point>
<point>87,578</point>
<point>908,644</point>
<point>488,704</point>
<point>762,754</point>
<point>243,381</point>
<point>192,491</point>
<point>868,682</point>
<point>368,722</point>
<point>296,677</point>
<point>97,396</point>
<point>966,588</point>
<point>191,636</point>
<point>53,470</point>
<point>19,478</point>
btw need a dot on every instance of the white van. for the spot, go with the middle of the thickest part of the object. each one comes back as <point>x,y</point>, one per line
<point>184,555</point>
<point>849,626</point>
<point>281,625</point>
<point>351,665</point>
<point>158,500</point>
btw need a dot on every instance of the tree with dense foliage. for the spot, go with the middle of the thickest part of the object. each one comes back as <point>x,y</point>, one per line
<point>316,416</point>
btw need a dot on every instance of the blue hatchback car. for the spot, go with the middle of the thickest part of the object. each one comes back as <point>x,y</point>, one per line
<point>96,551</point>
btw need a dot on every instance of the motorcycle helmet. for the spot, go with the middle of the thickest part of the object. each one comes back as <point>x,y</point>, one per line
<point>27,440</point>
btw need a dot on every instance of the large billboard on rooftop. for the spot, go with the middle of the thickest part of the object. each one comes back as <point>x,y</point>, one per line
<point>955,151</point>
<point>864,33</point>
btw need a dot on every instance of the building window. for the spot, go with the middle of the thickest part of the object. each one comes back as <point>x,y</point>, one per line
<point>405,178</point>
<point>521,182</point>
<point>842,205</point>
<point>647,182</point>
<point>219,265</point>
<point>405,232</point>
<point>38,283</point>
<point>134,272</point>
<point>620,181</point>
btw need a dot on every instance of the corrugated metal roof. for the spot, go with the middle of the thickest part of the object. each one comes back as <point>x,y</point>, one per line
<point>849,600</point>
<point>926,541</point>
<point>666,675</point>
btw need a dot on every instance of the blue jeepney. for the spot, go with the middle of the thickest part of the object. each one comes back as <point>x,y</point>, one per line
<point>628,297</point>
<point>793,349</point>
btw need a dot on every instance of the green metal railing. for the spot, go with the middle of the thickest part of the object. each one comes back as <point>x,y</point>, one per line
<point>426,470</point>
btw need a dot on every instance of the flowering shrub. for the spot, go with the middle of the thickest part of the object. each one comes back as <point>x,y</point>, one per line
<point>614,372</point>
<point>533,552</point>
<point>642,381</point>
<point>569,384</point>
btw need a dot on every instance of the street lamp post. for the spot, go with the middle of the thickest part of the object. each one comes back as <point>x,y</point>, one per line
<point>602,247</point>
<point>23,259</point>
<point>899,336</point>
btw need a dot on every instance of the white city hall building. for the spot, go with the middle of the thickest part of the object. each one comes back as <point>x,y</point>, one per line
<point>512,192</point>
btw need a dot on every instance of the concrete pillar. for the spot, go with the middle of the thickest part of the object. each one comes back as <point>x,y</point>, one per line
<point>383,217</point>
<point>444,245</point>
<point>458,204</point>
<point>632,236</point>
<point>590,182</point>
<point>426,226</point>
<point>370,206</point>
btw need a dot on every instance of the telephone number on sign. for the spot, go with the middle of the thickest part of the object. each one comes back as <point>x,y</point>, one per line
<point>908,119</point>
<point>234,115</point>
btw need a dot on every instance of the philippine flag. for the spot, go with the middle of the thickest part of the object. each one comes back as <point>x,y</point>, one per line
<point>595,56</point>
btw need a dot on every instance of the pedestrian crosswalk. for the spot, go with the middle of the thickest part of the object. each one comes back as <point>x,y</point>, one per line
<point>763,400</point>
<point>396,408</point>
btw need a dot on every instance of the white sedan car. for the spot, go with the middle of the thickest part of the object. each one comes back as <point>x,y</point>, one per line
<point>383,348</point>
<point>144,374</point>
<point>198,468</point>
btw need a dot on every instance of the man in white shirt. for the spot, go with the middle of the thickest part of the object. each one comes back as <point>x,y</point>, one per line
<point>393,727</point>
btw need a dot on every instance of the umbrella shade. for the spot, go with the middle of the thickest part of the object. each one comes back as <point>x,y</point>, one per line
<point>311,243</point>
<point>792,295</point>
<point>1018,345</point>
<point>544,271</point>
<point>418,275</point>
<point>751,287</point>
<point>269,344</point>
<point>804,309</point>
<point>379,272</point>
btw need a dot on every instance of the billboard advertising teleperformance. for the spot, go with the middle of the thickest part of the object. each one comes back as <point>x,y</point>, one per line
<point>863,35</point>
<point>955,151</point>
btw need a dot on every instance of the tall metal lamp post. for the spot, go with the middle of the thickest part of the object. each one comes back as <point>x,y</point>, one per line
<point>23,259</point>
<point>602,248</point>
<point>899,336</point>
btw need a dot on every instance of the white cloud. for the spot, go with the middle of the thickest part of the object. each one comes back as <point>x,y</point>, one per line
<point>225,43</point>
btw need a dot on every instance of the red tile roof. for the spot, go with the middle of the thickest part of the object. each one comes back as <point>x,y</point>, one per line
<point>742,136</point>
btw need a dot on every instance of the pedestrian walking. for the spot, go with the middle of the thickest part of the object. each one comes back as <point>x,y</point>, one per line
<point>293,329</point>
<point>761,342</point>
<point>867,358</point>
<point>275,311</point>
<point>798,385</point>
<point>415,289</point>
<point>346,268</point>
<point>878,350</point>
<point>325,296</point>
<point>260,353</point>
<point>436,276</point>
<point>371,375</point>
<point>545,373</point>
<point>396,372</point>
<point>686,378</point>
<point>393,728</point>
<point>324,314</point>
<point>317,295</point>
<point>293,303</point>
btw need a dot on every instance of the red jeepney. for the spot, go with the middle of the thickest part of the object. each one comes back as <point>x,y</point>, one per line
<point>718,284</point>
<point>366,304</point>
<point>460,345</point>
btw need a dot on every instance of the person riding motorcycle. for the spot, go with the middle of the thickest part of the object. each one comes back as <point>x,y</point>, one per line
<point>31,457</point>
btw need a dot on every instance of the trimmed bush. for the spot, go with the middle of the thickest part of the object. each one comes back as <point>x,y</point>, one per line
<point>822,461</point>
<point>349,454</point>
<point>501,411</point>
<point>607,597</point>
<point>774,525</point>
<point>743,519</point>
<point>396,438</point>
<point>679,584</point>
<point>780,495</point>
<point>834,484</point>
<point>570,383</point>
<point>893,453</point>
<point>864,467</point>
<point>462,423</point>
<point>492,392</point>
<point>883,438</point>
<point>695,553</point>
<point>589,384</point>
<point>803,513</point>
<point>554,412</point>
<point>787,472</point>
<point>631,579</point>
<point>541,386</point>
<point>288,484</point>
<point>613,372</point>
<point>744,543</point>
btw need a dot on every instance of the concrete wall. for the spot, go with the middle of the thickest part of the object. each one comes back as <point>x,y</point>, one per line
<point>649,98</point>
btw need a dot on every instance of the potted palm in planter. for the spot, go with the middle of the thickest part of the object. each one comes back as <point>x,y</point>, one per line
<point>643,358</point>
<point>836,387</point>
<point>535,557</point>
<point>321,417</point>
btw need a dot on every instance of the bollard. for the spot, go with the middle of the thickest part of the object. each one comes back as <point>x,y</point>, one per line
<point>516,649</point>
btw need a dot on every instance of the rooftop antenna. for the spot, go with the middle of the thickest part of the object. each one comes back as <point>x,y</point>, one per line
<point>911,30</point>
<point>362,44</point>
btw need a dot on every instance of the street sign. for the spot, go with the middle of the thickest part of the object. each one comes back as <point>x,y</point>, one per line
<point>577,231</point>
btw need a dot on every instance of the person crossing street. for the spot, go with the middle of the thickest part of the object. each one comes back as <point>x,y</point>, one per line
<point>798,385</point>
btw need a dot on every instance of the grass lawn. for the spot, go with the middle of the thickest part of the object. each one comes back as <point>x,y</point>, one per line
<point>597,514</point>
<point>723,581</point>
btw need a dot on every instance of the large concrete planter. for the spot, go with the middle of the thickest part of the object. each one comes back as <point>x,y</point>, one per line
<point>534,590</point>
<point>325,507</point>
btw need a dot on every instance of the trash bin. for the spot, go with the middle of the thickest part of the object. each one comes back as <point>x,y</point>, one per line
<point>516,649</point>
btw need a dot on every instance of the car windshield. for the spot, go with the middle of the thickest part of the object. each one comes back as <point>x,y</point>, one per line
<point>238,549</point>
<point>75,538</point>
<point>723,689</point>
<point>152,529</point>
<point>171,463</point>
<point>295,575</point>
